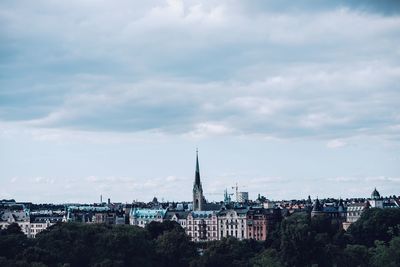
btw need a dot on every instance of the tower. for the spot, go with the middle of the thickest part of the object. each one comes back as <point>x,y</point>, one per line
<point>198,198</point>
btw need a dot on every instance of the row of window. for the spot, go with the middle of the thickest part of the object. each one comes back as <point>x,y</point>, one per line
<point>195,234</point>
<point>232,233</point>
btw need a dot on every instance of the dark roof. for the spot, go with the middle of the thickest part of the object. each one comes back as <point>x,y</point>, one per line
<point>212,206</point>
<point>375,194</point>
<point>179,213</point>
<point>317,206</point>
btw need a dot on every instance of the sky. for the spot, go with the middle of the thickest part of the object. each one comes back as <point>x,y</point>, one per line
<point>285,98</point>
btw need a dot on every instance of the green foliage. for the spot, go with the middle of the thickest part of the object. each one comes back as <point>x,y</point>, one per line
<point>376,224</point>
<point>268,257</point>
<point>355,255</point>
<point>175,249</point>
<point>386,255</point>
<point>12,241</point>
<point>229,252</point>
<point>156,229</point>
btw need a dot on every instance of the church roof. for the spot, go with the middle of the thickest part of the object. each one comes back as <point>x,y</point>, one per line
<point>317,206</point>
<point>375,194</point>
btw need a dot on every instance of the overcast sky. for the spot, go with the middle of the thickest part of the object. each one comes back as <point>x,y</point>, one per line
<point>285,98</point>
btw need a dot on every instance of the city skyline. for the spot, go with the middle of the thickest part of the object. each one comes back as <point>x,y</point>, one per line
<point>112,99</point>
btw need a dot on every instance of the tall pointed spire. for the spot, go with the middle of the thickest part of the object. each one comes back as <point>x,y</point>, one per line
<point>197,176</point>
<point>198,198</point>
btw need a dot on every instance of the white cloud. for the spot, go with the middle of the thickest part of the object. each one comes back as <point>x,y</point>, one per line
<point>207,129</point>
<point>336,143</point>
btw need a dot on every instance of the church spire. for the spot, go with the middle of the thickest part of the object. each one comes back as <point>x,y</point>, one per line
<point>198,198</point>
<point>197,175</point>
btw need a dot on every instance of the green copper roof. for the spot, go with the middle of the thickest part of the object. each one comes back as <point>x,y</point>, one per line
<point>148,213</point>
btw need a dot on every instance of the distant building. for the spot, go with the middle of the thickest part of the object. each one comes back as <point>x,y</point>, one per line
<point>202,225</point>
<point>336,212</point>
<point>354,211</point>
<point>242,197</point>
<point>40,223</point>
<point>142,217</point>
<point>21,217</point>
<point>260,221</point>
<point>179,216</point>
<point>95,214</point>
<point>233,222</point>
<point>376,201</point>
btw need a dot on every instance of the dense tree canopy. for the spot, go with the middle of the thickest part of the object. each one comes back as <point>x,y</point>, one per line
<point>298,240</point>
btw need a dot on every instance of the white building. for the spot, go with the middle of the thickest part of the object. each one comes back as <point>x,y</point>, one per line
<point>233,222</point>
<point>21,217</point>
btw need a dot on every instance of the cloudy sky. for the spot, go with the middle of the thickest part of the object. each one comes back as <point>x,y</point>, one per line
<point>113,97</point>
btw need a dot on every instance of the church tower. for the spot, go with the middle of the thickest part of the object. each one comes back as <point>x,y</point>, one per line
<point>198,198</point>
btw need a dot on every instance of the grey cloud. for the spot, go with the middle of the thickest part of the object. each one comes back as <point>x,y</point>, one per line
<point>217,68</point>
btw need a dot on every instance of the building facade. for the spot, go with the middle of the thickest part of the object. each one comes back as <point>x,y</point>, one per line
<point>202,225</point>
<point>233,222</point>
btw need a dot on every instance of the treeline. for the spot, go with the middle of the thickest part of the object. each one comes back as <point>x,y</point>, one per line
<point>298,240</point>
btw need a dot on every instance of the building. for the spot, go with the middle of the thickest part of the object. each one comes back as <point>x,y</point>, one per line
<point>21,217</point>
<point>354,211</point>
<point>376,201</point>
<point>40,223</point>
<point>202,225</point>
<point>242,197</point>
<point>198,198</point>
<point>179,216</point>
<point>261,221</point>
<point>142,217</point>
<point>95,214</point>
<point>233,222</point>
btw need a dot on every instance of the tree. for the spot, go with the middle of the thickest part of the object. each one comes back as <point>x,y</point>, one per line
<point>297,243</point>
<point>175,249</point>
<point>268,257</point>
<point>386,255</point>
<point>156,229</point>
<point>230,252</point>
<point>12,241</point>
<point>376,224</point>
<point>355,255</point>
